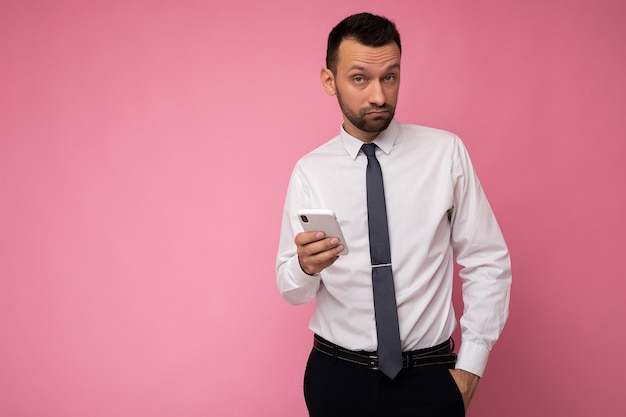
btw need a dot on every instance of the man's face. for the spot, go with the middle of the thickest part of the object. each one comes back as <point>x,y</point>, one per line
<point>366,83</point>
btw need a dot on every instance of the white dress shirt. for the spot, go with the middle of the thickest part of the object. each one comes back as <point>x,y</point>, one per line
<point>435,207</point>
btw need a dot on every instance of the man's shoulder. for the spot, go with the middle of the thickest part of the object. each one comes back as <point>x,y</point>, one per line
<point>420,138</point>
<point>329,148</point>
<point>426,132</point>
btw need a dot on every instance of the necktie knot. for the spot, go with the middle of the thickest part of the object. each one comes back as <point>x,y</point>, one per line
<point>369,149</point>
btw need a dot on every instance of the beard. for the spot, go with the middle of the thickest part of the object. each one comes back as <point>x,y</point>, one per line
<point>362,122</point>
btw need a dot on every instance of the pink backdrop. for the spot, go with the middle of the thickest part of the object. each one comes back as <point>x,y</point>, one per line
<point>145,147</point>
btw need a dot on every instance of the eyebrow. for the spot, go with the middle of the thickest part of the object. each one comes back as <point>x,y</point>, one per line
<point>362,68</point>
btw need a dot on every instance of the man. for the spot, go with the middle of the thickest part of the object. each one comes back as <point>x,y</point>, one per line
<point>435,209</point>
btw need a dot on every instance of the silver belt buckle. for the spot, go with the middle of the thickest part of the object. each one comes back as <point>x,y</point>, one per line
<point>373,363</point>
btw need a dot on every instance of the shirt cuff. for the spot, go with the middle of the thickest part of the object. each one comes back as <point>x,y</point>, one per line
<point>472,357</point>
<point>299,288</point>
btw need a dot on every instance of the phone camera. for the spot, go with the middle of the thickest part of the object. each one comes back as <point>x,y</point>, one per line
<point>304,219</point>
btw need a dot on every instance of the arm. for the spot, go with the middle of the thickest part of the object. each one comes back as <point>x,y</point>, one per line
<point>301,255</point>
<point>486,273</point>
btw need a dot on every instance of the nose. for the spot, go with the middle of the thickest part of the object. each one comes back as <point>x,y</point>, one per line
<point>377,94</point>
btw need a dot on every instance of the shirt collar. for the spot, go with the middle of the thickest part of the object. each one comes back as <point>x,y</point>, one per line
<point>384,140</point>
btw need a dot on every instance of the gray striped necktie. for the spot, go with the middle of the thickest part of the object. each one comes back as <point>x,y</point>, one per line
<point>387,328</point>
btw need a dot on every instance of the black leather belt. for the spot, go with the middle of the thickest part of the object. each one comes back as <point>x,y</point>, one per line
<point>442,354</point>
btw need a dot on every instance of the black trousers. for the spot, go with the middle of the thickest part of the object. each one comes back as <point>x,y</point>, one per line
<point>337,388</point>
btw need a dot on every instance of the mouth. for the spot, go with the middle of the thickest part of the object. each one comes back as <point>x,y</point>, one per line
<point>377,113</point>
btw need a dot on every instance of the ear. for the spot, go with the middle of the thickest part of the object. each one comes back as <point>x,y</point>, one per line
<point>328,81</point>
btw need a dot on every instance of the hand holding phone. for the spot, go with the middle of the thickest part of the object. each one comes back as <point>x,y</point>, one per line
<point>322,220</point>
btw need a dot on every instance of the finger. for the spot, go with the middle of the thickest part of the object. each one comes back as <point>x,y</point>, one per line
<point>319,247</point>
<point>319,255</point>
<point>305,238</point>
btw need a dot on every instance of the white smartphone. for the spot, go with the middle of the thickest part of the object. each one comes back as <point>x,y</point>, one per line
<point>321,220</point>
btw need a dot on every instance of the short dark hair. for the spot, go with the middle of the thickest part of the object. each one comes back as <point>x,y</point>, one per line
<point>365,28</point>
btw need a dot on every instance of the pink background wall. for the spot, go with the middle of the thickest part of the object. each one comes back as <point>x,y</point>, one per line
<point>145,147</point>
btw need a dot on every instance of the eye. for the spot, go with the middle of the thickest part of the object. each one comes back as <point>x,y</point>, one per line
<point>389,78</point>
<point>358,79</point>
